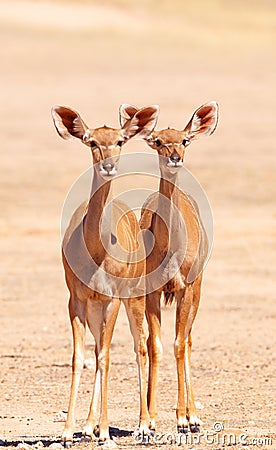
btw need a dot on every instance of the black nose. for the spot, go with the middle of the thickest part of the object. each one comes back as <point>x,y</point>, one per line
<point>108,167</point>
<point>175,157</point>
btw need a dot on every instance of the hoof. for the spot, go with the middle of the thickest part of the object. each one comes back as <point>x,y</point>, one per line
<point>195,428</point>
<point>86,438</point>
<point>67,444</point>
<point>96,431</point>
<point>183,429</point>
<point>90,431</point>
<point>145,430</point>
<point>151,433</point>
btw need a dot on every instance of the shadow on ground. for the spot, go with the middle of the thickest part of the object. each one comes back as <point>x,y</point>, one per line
<point>47,441</point>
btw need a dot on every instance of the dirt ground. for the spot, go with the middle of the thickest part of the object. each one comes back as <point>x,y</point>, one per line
<point>94,56</point>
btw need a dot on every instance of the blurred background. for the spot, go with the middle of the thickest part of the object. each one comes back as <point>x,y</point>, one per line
<point>93,56</point>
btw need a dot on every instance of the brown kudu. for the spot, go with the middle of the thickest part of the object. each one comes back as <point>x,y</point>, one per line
<point>97,272</point>
<point>174,221</point>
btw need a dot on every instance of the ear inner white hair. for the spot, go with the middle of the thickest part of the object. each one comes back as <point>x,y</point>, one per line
<point>126,112</point>
<point>203,121</point>
<point>68,122</point>
<point>142,123</point>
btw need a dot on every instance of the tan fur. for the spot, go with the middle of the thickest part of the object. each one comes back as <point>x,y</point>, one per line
<point>185,285</point>
<point>98,305</point>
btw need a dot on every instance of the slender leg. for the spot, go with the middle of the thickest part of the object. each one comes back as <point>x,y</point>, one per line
<point>194,421</point>
<point>94,317</point>
<point>92,419</point>
<point>187,306</point>
<point>153,314</point>
<point>184,300</point>
<point>135,309</point>
<point>101,317</point>
<point>77,311</point>
<point>110,315</point>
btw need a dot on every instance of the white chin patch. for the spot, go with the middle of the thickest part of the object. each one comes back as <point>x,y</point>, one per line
<point>173,165</point>
<point>108,174</point>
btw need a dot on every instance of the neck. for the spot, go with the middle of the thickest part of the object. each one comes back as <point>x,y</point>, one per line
<point>168,182</point>
<point>97,236</point>
<point>163,218</point>
<point>167,187</point>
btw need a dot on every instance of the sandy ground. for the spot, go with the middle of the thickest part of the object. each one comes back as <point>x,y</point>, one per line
<point>178,56</point>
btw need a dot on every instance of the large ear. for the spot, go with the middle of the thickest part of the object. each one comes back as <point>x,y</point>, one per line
<point>68,122</point>
<point>126,112</point>
<point>142,123</point>
<point>203,121</point>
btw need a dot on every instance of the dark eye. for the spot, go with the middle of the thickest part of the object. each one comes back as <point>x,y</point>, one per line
<point>93,144</point>
<point>120,143</point>
<point>185,142</point>
<point>158,143</point>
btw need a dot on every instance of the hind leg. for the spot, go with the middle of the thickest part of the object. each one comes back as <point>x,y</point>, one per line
<point>101,317</point>
<point>92,419</point>
<point>77,312</point>
<point>183,299</point>
<point>194,420</point>
<point>187,307</point>
<point>153,315</point>
<point>135,309</point>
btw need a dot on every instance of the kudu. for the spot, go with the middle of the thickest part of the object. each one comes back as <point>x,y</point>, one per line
<point>97,275</point>
<point>173,219</point>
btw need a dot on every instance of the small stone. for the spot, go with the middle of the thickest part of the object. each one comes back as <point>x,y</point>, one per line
<point>24,446</point>
<point>60,416</point>
<point>56,446</point>
<point>199,405</point>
